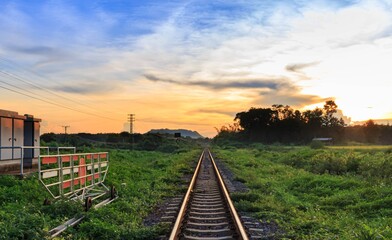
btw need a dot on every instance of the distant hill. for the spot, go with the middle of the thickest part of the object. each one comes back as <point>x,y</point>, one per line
<point>184,132</point>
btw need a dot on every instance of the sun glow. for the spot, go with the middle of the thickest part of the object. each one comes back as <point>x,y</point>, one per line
<point>360,87</point>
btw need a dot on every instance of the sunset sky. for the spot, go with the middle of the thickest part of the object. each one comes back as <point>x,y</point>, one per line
<point>191,64</point>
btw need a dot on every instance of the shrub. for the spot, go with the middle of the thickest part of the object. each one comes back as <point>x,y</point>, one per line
<point>316,145</point>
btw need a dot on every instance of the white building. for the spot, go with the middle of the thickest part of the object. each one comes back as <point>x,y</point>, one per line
<point>18,135</point>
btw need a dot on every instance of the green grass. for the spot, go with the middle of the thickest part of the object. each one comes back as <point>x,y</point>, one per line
<point>22,214</point>
<point>143,179</point>
<point>328,193</point>
<point>362,147</point>
<point>314,194</point>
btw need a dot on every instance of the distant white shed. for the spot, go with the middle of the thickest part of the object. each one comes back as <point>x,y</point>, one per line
<point>323,140</point>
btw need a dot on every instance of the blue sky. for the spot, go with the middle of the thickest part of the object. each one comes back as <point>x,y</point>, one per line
<point>210,59</point>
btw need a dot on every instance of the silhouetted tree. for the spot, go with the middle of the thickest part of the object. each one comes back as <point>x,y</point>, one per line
<point>281,123</point>
<point>288,124</point>
<point>256,122</point>
<point>313,120</point>
<point>371,131</point>
<point>329,120</point>
<point>49,137</point>
<point>385,134</point>
<point>229,131</point>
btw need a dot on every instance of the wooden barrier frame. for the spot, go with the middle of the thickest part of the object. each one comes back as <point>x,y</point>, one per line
<point>76,176</point>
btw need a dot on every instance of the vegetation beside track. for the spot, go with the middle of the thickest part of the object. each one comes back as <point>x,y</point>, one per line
<point>142,178</point>
<point>328,193</point>
<point>316,193</point>
<point>22,214</point>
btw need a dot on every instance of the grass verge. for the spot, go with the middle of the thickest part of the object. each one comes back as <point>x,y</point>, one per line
<point>290,186</point>
<point>142,179</point>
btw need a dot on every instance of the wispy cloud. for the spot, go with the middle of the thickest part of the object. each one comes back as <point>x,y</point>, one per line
<point>298,67</point>
<point>37,50</point>
<point>288,97</point>
<point>214,112</point>
<point>268,83</point>
<point>85,88</point>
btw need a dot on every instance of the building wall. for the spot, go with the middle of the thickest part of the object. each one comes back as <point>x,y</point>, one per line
<point>17,131</point>
<point>6,138</point>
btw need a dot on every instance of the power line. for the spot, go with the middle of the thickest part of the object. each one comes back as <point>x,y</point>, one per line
<point>29,71</point>
<point>40,98</point>
<point>14,76</point>
<point>41,88</point>
<point>56,104</point>
<point>12,85</point>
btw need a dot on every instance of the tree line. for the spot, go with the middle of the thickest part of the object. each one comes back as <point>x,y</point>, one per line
<point>283,124</point>
<point>124,140</point>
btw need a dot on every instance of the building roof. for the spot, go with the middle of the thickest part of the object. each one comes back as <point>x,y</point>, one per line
<point>10,114</point>
<point>322,139</point>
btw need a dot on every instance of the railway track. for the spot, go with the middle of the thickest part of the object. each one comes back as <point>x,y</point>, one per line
<point>207,211</point>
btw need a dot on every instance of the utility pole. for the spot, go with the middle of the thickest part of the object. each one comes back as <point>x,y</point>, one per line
<point>65,129</point>
<point>131,120</point>
<point>65,133</point>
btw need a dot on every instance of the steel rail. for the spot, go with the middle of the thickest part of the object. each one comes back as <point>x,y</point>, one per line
<point>237,222</point>
<point>233,212</point>
<point>181,213</point>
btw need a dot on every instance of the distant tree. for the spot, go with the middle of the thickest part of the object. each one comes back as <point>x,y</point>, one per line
<point>229,131</point>
<point>150,142</point>
<point>329,120</point>
<point>312,122</point>
<point>282,112</point>
<point>332,126</point>
<point>369,123</point>
<point>49,137</point>
<point>385,134</point>
<point>281,123</point>
<point>371,131</point>
<point>255,118</point>
<point>313,118</point>
<point>230,128</point>
<point>256,122</point>
<point>113,138</point>
<point>298,115</point>
<point>330,107</point>
<point>287,124</point>
<point>125,134</point>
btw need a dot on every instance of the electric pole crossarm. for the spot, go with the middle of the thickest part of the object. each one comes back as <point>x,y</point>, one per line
<point>131,120</point>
